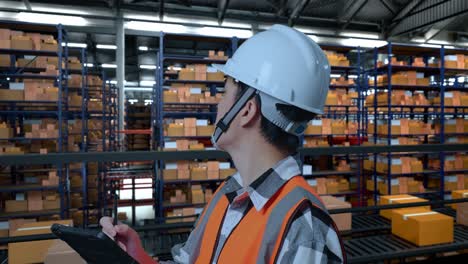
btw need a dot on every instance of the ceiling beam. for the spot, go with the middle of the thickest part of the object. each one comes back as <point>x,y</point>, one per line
<point>161,9</point>
<point>389,6</point>
<point>427,16</point>
<point>222,8</point>
<point>296,12</point>
<point>438,27</point>
<point>27,4</point>
<point>351,12</point>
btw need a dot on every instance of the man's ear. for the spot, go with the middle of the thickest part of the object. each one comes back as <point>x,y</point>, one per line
<point>250,113</point>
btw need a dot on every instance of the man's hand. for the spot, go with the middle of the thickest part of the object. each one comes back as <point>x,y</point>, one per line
<point>127,239</point>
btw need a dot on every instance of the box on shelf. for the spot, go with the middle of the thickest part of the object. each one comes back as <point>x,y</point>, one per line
<point>198,197</point>
<point>199,173</point>
<point>422,226</point>
<point>170,174</point>
<point>342,221</point>
<point>458,194</point>
<point>21,43</point>
<point>205,130</point>
<point>35,202</point>
<point>399,199</point>
<point>215,76</point>
<point>462,214</point>
<point>175,130</point>
<point>13,206</point>
<point>213,170</point>
<point>11,95</point>
<point>224,173</point>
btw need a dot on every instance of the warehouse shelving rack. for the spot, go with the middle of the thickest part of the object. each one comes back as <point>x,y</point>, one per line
<point>18,110</point>
<point>200,110</point>
<point>430,112</point>
<point>347,113</point>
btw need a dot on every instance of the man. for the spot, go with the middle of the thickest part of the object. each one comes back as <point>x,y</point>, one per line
<point>266,213</point>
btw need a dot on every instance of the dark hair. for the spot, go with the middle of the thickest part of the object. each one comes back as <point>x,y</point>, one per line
<point>275,135</point>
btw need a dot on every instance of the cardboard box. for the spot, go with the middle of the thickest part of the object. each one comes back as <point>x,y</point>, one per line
<point>215,76</point>
<point>458,194</point>
<point>6,133</point>
<point>36,250</point>
<point>60,252</point>
<point>76,201</point>
<point>332,187</point>
<point>342,221</point>
<point>313,130</point>
<point>175,130</point>
<point>22,44</point>
<point>198,197</point>
<point>462,214</point>
<point>224,173</point>
<point>187,74</point>
<point>205,131</point>
<point>400,199</point>
<point>422,227</point>
<point>35,201</point>
<point>49,47</point>
<point>51,205</point>
<point>11,95</point>
<point>199,174</point>
<point>170,174</point>
<point>12,206</point>
<point>183,174</point>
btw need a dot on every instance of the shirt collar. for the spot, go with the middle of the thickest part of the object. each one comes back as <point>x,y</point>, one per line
<point>266,185</point>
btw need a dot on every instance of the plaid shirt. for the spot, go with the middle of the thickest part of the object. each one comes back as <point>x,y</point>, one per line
<point>309,239</point>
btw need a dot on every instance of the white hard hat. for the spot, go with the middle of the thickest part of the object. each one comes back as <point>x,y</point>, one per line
<point>284,64</point>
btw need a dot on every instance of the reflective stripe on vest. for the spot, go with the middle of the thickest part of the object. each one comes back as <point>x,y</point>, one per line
<point>258,237</point>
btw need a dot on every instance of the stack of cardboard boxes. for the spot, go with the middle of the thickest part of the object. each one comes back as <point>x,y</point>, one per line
<point>398,98</point>
<point>5,131</point>
<point>453,126</point>
<point>189,127</point>
<point>211,170</point>
<point>337,59</point>
<point>341,81</point>
<point>403,78</point>
<point>330,185</point>
<point>217,55</point>
<point>189,94</point>
<point>399,165</point>
<point>456,61</point>
<point>178,197</point>
<point>52,179</point>
<point>402,127</point>
<point>326,126</point>
<point>40,90</point>
<point>44,129</point>
<point>452,162</point>
<point>18,40</point>
<point>10,149</point>
<point>400,185</point>
<point>34,201</point>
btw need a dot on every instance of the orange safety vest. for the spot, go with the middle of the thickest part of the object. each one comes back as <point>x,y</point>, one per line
<point>259,236</point>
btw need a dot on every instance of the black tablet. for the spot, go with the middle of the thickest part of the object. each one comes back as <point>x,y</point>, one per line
<point>93,246</point>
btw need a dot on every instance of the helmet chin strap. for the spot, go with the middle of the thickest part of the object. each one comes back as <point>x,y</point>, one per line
<point>223,124</point>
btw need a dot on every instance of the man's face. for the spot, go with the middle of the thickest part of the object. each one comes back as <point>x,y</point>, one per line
<point>229,98</point>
